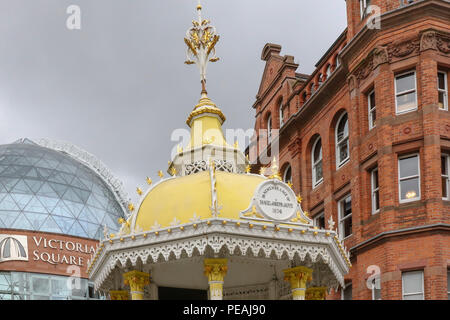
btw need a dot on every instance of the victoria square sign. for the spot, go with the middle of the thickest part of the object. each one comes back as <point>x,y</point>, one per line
<point>64,248</point>
<point>46,253</point>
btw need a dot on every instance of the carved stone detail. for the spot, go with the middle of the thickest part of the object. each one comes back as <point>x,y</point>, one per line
<point>380,56</point>
<point>443,43</point>
<point>365,69</point>
<point>428,41</point>
<point>404,48</point>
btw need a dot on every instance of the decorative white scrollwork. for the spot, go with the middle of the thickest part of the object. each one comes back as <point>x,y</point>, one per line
<point>256,247</point>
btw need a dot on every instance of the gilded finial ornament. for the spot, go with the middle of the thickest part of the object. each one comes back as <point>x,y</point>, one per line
<point>160,174</point>
<point>236,144</point>
<point>149,181</point>
<point>248,168</point>
<point>201,40</point>
<point>139,191</point>
<point>130,207</point>
<point>173,171</point>
<point>262,171</point>
<point>290,184</point>
<point>299,199</point>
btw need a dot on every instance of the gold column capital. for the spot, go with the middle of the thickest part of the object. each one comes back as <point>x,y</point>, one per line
<point>298,277</point>
<point>215,269</point>
<point>316,293</point>
<point>119,295</point>
<point>137,280</point>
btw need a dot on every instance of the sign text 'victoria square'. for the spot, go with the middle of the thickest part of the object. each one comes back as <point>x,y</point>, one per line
<point>60,257</point>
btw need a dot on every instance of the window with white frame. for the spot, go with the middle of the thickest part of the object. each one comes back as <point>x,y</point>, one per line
<point>346,293</point>
<point>269,129</point>
<point>287,176</point>
<point>375,191</point>
<point>405,92</point>
<point>376,288</point>
<point>409,178</point>
<point>319,220</point>
<point>280,108</point>
<point>345,217</point>
<point>342,145</point>
<point>445,176</point>
<point>372,109</point>
<point>317,173</point>
<point>364,5</point>
<point>442,90</point>
<point>412,285</point>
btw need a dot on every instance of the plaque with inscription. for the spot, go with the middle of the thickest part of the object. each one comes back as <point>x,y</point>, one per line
<point>274,201</point>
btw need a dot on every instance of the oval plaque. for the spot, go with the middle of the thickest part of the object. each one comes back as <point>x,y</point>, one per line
<point>276,200</point>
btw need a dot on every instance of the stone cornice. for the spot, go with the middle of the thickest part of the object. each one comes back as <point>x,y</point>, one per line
<point>444,227</point>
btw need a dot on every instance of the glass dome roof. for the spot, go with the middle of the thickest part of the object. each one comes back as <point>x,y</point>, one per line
<point>45,190</point>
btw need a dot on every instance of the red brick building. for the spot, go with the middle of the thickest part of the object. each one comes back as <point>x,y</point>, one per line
<point>365,139</point>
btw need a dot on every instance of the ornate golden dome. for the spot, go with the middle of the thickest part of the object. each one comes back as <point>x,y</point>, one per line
<point>181,200</point>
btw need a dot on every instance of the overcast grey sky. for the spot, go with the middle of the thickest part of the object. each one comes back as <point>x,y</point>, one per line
<point>118,87</point>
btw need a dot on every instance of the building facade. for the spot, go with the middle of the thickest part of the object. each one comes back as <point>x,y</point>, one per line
<point>56,202</point>
<point>365,139</point>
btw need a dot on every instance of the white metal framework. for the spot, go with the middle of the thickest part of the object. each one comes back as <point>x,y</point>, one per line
<point>93,163</point>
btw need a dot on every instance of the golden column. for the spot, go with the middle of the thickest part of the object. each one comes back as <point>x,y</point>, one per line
<point>298,277</point>
<point>316,293</point>
<point>118,294</point>
<point>137,280</point>
<point>215,270</point>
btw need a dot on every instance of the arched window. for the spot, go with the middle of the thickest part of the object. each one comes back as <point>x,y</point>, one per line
<point>316,155</point>
<point>280,108</point>
<point>269,129</point>
<point>342,146</point>
<point>328,71</point>
<point>313,88</point>
<point>287,176</point>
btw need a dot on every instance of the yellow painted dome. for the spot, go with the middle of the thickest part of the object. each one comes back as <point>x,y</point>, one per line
<point>177,200</point>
